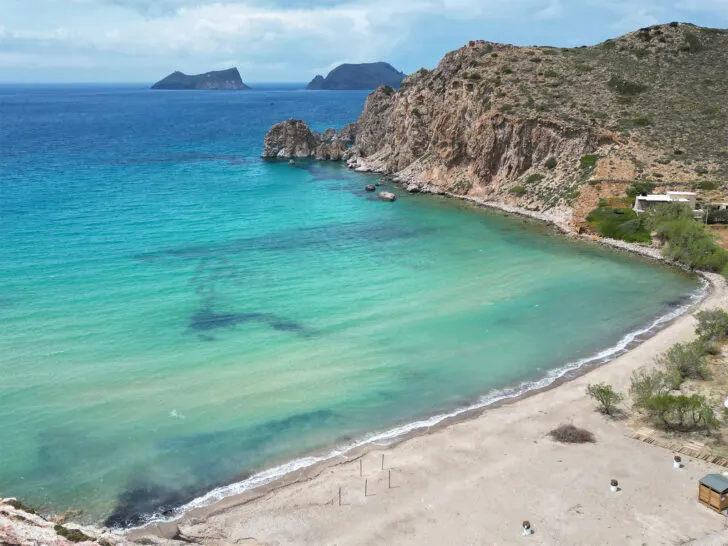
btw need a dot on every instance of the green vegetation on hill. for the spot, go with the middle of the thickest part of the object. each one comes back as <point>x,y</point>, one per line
<point>619,223</point>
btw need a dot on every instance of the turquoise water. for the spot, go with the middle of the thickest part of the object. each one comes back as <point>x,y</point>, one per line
<point>178,314</point>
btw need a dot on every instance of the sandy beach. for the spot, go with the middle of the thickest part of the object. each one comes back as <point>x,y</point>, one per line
<point>475,481</point>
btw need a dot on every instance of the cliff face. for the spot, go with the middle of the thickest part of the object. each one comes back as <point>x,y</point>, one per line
<point>217,80</point>
<point>293,139</point>
<point>358,76</point>
<point>537,127</point>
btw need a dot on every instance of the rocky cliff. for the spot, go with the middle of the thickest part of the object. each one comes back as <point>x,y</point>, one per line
<point>553,130</point>
<point>358,76</point>
<point>292,139</point>
<point>222,79</point>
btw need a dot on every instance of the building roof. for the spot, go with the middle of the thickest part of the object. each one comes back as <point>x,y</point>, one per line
<point>716,482</point>
<point>660,197</point>
<point>687,193</point>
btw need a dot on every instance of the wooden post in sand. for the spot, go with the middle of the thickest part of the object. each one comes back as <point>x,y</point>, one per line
<point>366,484</point>
<point>389,486</point>
<point>382,461</point>
<point>339,496</point>
<point>360,471</point>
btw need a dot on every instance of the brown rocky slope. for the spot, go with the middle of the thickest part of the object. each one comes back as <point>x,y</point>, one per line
<point>551,130</point>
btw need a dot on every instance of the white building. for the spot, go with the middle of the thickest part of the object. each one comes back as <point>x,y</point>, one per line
<point>645,202</point>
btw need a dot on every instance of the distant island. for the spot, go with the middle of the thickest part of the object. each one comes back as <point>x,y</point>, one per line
<point>220,79</point>
<point>358,76</point>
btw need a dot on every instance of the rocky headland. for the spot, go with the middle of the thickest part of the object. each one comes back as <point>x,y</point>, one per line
<point>550,131</point>
<point>292,139</point>
<point>229,80</point>
<point>358,76</point>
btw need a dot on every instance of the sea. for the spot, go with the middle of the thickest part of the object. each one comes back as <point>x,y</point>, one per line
<point>181,320</point>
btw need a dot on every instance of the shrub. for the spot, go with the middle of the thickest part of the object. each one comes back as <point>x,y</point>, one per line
<point>550,163</point>
<point>712,325</point>
<point>569,434</point>
<point>641,122</point>
<point>518,190</point>
<point>640,188</point>
<point>533,178</point>
<point>74,535</point>
<point>606,397</point>
<point>625,87</point>
<point>683,412</point>
<point>717,216</point>
<point>551,74</point>
<point>688,242</point>
<point>647,384</point>
<point>507,70</point>
<point>684,361</point>
<point>617,223</point>
<point>706,185</point>
<point>589,161</point>
<point>20,506</point>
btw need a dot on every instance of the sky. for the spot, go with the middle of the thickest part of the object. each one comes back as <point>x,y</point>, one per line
<point>141,41</point>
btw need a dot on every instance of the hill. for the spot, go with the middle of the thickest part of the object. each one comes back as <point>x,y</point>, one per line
<point>358,76</point>
<point>554,130</point>
<point>221,79</point>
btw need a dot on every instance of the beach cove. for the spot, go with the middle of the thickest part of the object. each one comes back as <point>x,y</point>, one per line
<point>182,316</point>
<point>473,480</point>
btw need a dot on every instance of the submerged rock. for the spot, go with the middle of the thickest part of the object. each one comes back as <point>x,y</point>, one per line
<point>386,196</point>
<point>413,188</point>
<point>370,187</point>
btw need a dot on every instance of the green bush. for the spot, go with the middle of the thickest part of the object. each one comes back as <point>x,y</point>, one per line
<point>533,178</point>
<point>682,412</point>
<point>518,190</point>
<point>589,161</point>
<point>550,163</point>
<point>706,185</point>
<point>640,188</point>
<point>687,242</point>
<point>625,87</point>
<point>507,70</point>
<point>712,325</point>
<point>551,74</point>
<point>648,384</point>
<point>606,396</point>
<point>617,223</point>
<point>684,361</point>
<point>73,535</point>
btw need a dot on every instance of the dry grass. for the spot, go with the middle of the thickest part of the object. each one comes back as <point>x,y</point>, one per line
<point>569,434</point>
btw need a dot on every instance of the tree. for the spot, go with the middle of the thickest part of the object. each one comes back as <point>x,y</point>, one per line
<point>684,361</point>
<point>606,396</point>
<point>648,384</point>
<point>712,325</point>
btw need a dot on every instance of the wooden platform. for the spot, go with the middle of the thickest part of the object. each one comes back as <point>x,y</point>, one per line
<point>691,448</point>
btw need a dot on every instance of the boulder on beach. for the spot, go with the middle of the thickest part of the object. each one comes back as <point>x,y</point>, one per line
<point>386,196</point>
<point>413,188</point>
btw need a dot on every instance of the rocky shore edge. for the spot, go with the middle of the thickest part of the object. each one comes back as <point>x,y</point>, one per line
<point>293,139</point>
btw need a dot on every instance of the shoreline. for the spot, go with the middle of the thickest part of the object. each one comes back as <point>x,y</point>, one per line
<point>310,466</point>
<point>256,499</point>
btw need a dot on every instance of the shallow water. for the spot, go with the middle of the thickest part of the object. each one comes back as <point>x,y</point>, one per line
<point>177,313</point>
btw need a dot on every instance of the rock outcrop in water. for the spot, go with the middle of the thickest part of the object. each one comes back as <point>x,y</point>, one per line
<point>358,76</point>
<point>293,139</point>
<point>217,80</point>
<point>551,131</point>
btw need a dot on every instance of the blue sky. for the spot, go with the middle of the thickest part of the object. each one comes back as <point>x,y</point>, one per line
<point>292,40</point>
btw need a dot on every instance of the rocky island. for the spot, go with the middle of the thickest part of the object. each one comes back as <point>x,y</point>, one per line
<point>292,139</point>
<point>217,80</point>
<point>554,132</point>
<point>358,76</point>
